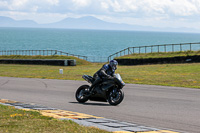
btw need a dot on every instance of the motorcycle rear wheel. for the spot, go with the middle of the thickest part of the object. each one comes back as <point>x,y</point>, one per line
<point>115,99</point>
<point>81,94</point>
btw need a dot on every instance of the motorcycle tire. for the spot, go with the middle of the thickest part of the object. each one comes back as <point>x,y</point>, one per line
<point>113,99</point>
<point>81,94</point>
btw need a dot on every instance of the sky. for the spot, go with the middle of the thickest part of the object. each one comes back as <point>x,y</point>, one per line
<point>157,13</point>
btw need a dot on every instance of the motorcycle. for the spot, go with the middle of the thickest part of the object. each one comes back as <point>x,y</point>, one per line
<point>109,90</point>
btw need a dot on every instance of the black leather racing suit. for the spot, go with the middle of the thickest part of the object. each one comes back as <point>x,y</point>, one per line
<point>105,72</point>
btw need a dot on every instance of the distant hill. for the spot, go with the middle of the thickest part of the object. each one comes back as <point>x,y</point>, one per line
<point>90,22</point>
<point>87,22</point>
<point>9,22</point>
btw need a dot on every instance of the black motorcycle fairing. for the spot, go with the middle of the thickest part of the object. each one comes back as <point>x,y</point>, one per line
<point>88,78</point>
<point>105,84</point>
<point>120,83</point>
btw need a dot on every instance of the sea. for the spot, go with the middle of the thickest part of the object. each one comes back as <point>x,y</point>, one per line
<point>95,44</point>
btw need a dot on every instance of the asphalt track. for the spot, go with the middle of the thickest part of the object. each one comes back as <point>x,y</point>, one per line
<point>155,106</point>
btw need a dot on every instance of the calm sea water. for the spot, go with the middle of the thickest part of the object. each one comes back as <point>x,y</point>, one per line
<point>94,43</point>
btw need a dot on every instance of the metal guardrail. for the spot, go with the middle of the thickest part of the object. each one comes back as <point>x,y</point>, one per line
<point>39,52</point>
<point>127,51</point>
<point>155,48</point>
<point>50,53</point>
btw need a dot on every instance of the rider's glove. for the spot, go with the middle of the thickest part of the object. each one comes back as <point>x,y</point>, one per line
<point>110,77</point>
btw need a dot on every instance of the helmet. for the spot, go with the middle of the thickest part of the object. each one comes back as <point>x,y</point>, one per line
<point>113,64</point>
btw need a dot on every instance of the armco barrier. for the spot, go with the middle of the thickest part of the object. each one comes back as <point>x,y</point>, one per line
<point>39,62</point>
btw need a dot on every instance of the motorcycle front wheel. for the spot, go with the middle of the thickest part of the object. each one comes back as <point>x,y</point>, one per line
<point>115,97</point>
<point>82,94</point>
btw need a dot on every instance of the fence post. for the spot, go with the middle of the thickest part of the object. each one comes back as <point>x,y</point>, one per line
<point>128,50</point>
<point>172,47</point>
<point>139,50</point>
<point>190,47</point>
<point>145,49</point>
<point>180,47</point>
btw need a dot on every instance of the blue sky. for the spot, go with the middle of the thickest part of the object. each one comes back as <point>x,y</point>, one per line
<point>157,13</point>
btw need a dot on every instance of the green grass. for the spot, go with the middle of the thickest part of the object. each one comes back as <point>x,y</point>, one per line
<point>19,121</point>
<point>78,61</point>
<point>180,75</point>
<point>159,55</point>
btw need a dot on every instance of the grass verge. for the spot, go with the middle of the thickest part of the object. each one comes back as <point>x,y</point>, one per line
<point>78,61</point>
<point>180,75</point>
<point>160,55</point>
<point>15,120</point>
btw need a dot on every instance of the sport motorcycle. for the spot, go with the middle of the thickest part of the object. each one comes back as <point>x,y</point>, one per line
<point>108,90</point>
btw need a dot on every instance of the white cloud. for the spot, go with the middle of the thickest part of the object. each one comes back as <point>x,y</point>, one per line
<point>104,5</point>
<point>53,2</point>
<point>145,12</point>
<point>81,3</point>
<point>143,7</point>
<point>16,4</point>
<point>3,4</point>
<point>184,8</point>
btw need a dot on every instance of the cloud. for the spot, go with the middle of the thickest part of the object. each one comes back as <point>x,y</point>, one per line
<point>143,7</point>
<point>156,7</point>
<point>112,10</point>
<point>81,3</point>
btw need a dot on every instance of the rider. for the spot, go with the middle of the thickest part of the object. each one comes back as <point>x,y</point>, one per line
<point>106,72</point>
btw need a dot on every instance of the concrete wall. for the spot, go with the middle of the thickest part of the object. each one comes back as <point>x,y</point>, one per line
<point>187,59</point>
<point>39,62</point>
